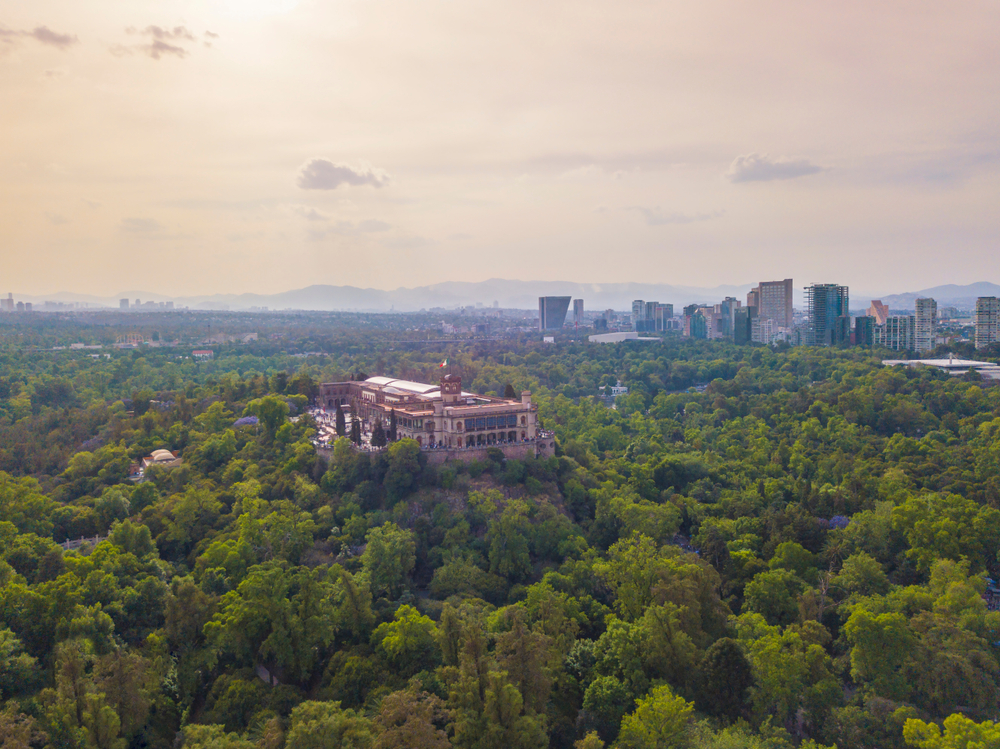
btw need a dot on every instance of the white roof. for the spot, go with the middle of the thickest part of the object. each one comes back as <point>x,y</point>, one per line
<point>405,385</point>
<point>942,363</point>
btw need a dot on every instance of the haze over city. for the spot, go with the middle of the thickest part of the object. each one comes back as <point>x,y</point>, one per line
<point>265,145</point>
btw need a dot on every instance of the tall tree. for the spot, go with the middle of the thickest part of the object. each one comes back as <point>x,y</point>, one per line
<point>355,425</point>
<point>393,435</point>
<point>378,434</point>
<point>341,422</point>
<point>508,392</point>
<point>411,718</point>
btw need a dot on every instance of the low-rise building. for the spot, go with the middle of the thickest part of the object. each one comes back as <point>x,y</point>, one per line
<point>161,459</point>
<point>987,370</point>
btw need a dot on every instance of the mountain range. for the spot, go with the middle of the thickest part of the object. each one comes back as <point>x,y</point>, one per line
<point>507,293</point>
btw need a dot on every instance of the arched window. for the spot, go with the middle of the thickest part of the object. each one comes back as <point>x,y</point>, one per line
<point>523,421</point>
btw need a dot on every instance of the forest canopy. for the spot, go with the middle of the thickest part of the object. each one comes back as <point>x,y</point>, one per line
<point>753,548</point>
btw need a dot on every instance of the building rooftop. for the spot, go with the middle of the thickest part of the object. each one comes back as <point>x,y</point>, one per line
<point>951,365</point>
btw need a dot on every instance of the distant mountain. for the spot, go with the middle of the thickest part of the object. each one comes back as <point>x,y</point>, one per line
<point>950,295</point>
<point>507,293</point>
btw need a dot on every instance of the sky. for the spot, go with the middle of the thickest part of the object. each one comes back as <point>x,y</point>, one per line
<point>226,146</point>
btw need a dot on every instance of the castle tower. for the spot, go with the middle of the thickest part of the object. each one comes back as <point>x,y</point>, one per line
<point>451,388</point>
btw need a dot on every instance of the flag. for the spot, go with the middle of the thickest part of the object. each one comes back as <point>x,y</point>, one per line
<point>443,364</point>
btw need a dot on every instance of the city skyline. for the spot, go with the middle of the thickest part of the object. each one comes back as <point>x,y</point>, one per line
<point>227,147</point>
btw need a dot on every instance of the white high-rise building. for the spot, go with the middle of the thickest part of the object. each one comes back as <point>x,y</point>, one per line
<point>987,321</point>
<point>638,310</point>
<point>897,333</point>
<point>926,322</point>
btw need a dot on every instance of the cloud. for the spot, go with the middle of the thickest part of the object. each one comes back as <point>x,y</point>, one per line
<point>371,225</point>
<point>759,167</point>
<point>42,34</point>
<point>163,42</point>
<point>55,219</point>
<point>211,35</point>
<point>157,32</point>
<point>159,48</point>
<point>140,225</point>
<point>45,35</point>
<point>655,217</point>
<point>322,174</point>
<point>156,49</point>
<point>459,237</point>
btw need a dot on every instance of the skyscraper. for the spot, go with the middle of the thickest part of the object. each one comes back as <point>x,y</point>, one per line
<point>897,333</point>
<point>864,331</point>
<point>829,320</point>
<point>926,321</point>
<point>578,312</point>
<point>552,312</point>
<point>638,310</point>
<point>774,301</point>
<point>743,326</point>
<point>664,314</point>
<point>987,320</point>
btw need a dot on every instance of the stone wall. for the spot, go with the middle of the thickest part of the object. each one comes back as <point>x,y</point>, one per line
<point>543,447</point>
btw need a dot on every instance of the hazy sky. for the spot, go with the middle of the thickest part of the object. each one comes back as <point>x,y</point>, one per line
<point>203,146</point>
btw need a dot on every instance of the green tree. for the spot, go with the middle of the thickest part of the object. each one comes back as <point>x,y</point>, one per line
<point>508,540</point>
<point>524,655</point>
<point>725,679</point>
<point>409,642</point>
<point>405,468</point>
<point>378,434</point>
<point>126,680</point>
<point>605,702</point>
<point>324,725</point>
<point>275,618</point>
<point>271,410</point>
<point>214,737</point>
<point>660,721</point>
<point>17,668</point>
<point>411,719</point>
<point>948,526</point>
<point>881,646</point>
<point>341,422</point>
<point>774,594</point>
<point>959,733</point>
<point>862,575</point>
<point>388,559</point>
